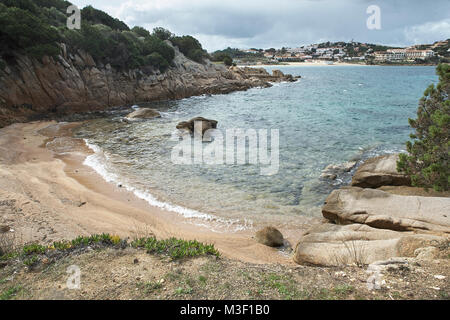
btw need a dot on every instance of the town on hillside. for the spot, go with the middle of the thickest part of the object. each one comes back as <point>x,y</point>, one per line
<point>351,52</point>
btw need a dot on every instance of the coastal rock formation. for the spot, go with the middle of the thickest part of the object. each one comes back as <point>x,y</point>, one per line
<point>380,171</point>
<point>332,171</point>
<point>144,113</point>
<point>189,126</point>
<point>367,225</point>
<point>334,245</point>
<point>73,82</point>
<point>270,236</point>
<point>383,210</point>
<point>261,74</point>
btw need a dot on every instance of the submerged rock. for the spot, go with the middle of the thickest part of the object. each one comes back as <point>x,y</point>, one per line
<point>205,124</point>
<point>144,113</point>
<point>270,236</point>
<point>380,171</point>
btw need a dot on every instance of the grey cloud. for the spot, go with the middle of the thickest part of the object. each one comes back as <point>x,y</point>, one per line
<point>263,24</point>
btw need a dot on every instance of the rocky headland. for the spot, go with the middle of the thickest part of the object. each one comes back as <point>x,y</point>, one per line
<point>74,83</point>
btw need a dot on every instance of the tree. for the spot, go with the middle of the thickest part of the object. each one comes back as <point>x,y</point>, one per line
<point>227,61</point>
<point>162,34</point>
<point>427,161</point>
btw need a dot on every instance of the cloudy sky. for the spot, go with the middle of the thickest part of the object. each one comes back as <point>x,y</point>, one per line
<point>290,23</point>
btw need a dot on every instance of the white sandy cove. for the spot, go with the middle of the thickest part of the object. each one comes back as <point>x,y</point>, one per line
<point>47,197</point>
<point>305,64</point>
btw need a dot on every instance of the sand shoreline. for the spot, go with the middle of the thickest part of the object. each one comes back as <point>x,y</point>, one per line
<point>54,196</point>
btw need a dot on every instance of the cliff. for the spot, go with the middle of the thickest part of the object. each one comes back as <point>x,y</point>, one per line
<point>74,82</point>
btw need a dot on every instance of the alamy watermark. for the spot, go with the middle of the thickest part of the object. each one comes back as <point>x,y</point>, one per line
<point>73,21</point>
<point>374,20</point>
<point>74,280</point>
<point>229,149</point>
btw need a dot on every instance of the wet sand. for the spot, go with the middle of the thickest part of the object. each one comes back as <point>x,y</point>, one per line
<point>47,194</point>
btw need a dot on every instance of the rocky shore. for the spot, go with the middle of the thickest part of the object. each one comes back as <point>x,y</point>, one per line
<point>378,217</point>
<point>74,83</point>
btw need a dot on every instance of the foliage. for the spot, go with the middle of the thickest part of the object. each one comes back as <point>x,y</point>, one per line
<point>175,248</point>
<point>162,34</point>
<point>36,27</point>
<point>95,16</point>
<point>427,161</point>
<point>190,47</point>
<point>23,31</point>
<point>227,61</point>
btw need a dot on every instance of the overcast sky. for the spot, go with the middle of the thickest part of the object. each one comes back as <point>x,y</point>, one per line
<point>290,23</point>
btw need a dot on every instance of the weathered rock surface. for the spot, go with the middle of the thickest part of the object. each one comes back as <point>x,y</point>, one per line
<point>333,245</point>
<point>144,113</point>
<point>73,82</point>
<point>383,210</point>
<point>203,124</point>
<point>380,171</point>
<point>270,236</point>
<point>333,170</point>
<point>262,74</point>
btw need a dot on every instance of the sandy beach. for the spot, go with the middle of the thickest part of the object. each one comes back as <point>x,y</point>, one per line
<point>306,64</point>
<point>50,195</point>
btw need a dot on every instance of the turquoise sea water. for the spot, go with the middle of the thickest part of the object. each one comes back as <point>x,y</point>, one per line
<point>334,114</point>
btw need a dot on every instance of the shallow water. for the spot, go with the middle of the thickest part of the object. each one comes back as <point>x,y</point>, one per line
<point>334,114</point>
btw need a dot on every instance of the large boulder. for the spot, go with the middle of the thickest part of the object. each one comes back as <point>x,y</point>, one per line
<point>203,124</point>
<point>144,113</point>
<point>380,171</point>
<point>383,210</point>
<point>270,236</point>
<point>335,245</point>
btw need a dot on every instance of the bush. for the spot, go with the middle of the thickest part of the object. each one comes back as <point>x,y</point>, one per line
<point>427,161</point>
<point>156,60</point>
<point>95,16</point>
<point>228,61</point>
<point>190,47</point>
<point>162,34</point>
<point>22,31</point>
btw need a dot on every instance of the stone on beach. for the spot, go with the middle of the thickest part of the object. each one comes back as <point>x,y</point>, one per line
<point>333,245</point>
<point>270,236</point>
<point>380,209</point>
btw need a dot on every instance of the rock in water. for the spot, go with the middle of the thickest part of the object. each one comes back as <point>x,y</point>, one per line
<point>269,236</point>
<point>144,113</point>
<point>380,171</point>
<point>206,124</point>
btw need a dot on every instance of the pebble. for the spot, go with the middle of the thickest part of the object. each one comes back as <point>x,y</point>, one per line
<point>439,277</point>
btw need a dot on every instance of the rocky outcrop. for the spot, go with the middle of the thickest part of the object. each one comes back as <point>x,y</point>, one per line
<point>367,225</point>
<point>383,210</point>
<point>144,113</point>
<point>334,245</point>
<point>380,171</point>
<point>203,124</point>
<point>261,74</point>
<point>270,236</point>
<point>73,82</point>
<point>332,171</point>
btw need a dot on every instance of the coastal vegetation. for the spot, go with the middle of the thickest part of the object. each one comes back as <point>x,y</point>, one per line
<point>427,161</point>
<point>37,27</point>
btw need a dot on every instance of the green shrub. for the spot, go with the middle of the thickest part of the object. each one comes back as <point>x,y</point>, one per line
<point>427,161</point>
<point>190,47</point>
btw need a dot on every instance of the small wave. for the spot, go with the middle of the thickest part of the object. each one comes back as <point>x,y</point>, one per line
<point>99,162</point>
